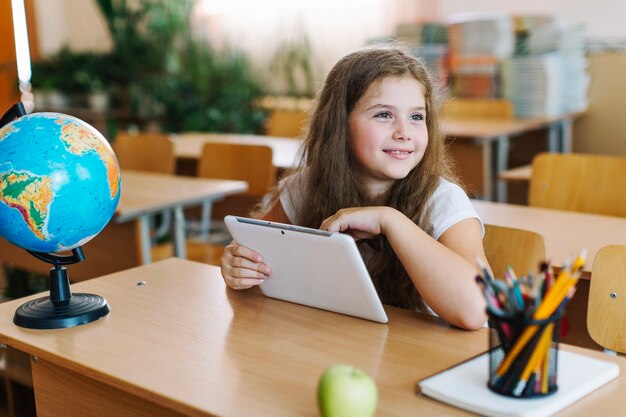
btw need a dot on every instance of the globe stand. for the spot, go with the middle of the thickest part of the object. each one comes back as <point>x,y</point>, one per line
<point>62,308</point>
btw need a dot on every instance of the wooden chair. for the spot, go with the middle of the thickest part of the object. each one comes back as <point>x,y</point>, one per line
<point>152,152</point>
<point>523,250</point>
<point>286,122</point>
<point>250,163</point>
<point>579,182</point>
<point>465,108</point>
<point>606,313</point>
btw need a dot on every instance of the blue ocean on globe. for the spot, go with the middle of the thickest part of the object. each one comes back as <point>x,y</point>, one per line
<point>60,182</point>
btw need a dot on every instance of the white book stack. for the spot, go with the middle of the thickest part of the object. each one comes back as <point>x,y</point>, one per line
<point>553,78</point>
<point>570,40</point>
<point>535,84</point>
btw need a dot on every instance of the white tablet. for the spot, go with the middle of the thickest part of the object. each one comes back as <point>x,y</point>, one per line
<point>311,267</point>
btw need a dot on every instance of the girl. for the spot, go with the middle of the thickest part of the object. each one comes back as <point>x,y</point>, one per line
<point>374,166</point>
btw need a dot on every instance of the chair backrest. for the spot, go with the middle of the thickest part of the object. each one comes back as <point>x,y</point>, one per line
<point>522,250</point>
<point>579,182</point>
<point>286,122</point>
<point>466,108</point>
<point>251,163</point>
<point>152,152</point>
<point>606,312</point>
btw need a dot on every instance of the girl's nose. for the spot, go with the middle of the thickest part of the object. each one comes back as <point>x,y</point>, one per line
<point>401,131</point>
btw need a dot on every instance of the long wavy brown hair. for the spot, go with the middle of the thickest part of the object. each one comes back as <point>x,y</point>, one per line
<point>332,181</point>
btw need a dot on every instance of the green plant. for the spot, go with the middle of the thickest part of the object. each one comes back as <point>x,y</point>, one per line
<point>144,34</point>
<point>71,72</point>
<point>157,72</point>
<point>292,62</point>
<point>210,91</point>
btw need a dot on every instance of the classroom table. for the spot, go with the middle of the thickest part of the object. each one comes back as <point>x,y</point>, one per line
<point>145,194</point>
<point>179,343</point>
<point>126,240</point>
<point>481,146</point>
<point>284,150</point>
<point>565,233</point>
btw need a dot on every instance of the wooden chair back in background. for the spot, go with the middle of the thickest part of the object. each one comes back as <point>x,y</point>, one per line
<point>250,163</point>
<point>464,108</point>
<point>151,152</point>
<point>606,313</point>
<point>231,161</point>
<point>288,123</point>
<point>579,182</point>
<point>522,250</point>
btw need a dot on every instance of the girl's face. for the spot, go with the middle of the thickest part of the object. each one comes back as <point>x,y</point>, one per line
<point>388,134</point>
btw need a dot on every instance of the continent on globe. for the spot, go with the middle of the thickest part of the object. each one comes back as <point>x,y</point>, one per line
<point>31,195</point>
<point>80,139</point>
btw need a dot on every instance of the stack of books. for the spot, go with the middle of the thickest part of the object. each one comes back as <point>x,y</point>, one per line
<point>478,42</point>
<point>535,84</point>
<point>549,76</point>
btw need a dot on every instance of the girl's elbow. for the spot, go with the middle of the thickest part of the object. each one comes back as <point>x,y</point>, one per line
<point>474,323</point>
<point>473,319</point>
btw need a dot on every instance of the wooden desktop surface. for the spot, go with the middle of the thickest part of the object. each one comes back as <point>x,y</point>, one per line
<point>284,150</point>
<point>184,344</point>
<point>566,233</point>
<point>147,192</point>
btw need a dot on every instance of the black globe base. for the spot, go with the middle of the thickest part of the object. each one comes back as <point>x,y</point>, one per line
<point>61,309</point>
<point>42,313</point>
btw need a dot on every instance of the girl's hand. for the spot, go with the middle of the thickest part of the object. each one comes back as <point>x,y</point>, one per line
<point>358,222</point>
<point>242,267</point>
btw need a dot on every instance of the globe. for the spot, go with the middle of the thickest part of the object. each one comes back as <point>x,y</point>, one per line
<point>59,182</point>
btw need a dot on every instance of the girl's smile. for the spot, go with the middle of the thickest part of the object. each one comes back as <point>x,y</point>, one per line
<point>400,154</point>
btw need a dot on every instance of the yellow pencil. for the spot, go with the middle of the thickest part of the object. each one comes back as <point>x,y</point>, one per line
<point>535,359</point>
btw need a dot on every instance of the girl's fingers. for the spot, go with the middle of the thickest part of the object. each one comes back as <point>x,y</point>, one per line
<point>244,252</point>
<point>242,284</point>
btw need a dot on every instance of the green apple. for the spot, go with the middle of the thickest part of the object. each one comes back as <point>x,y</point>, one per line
<point>346,391</point>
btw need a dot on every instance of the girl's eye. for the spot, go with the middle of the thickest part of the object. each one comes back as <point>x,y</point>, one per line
<point>383,115</point>
<point>417,116</point>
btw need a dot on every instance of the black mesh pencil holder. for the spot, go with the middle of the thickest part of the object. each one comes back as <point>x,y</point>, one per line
<point>523,355</point>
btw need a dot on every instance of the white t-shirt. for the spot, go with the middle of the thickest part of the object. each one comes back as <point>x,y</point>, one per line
<point>449,205</point>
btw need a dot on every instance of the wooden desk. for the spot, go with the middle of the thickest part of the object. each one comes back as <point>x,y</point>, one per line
<point>125,242</point>
<point>284,150</point>
<point>183,344</point>
<point>481,147</point>
<point>566,233</point>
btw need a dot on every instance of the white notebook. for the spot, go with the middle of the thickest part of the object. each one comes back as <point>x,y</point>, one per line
<point>465,386</point>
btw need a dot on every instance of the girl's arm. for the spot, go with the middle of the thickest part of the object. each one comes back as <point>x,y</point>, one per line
<point>242,267</point>
<point>442,270</point>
